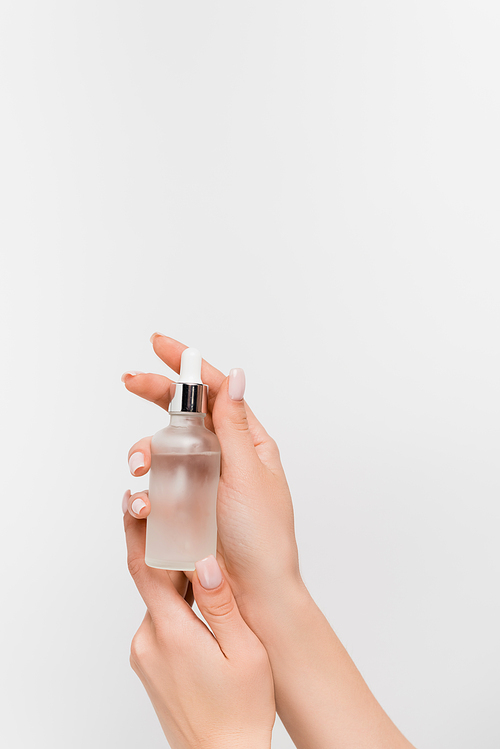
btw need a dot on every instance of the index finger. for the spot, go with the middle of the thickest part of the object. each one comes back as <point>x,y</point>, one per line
<point>151,387</point>
<point>170,351</point>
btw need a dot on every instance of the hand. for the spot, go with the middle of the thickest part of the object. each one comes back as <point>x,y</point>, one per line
<point>181,583</point>
<point>320,695</point>
<point>208,692</point>
<point>256,541</point>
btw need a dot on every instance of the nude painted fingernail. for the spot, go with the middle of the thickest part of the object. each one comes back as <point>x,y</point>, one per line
<point>125,500</point>
<point>154,336</point>
<point>209,572</point>
<point>237,382</point>
<point>131,372</point>
<point>137,505</point>
<point>135,462</point>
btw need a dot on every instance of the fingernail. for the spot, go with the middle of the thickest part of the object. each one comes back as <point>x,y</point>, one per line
<point>236,387</point>
<point>209,572</point>
<point>137,505</point>
<point>154,336</point>
<point>131,372</point>
<point>125,500</point>
<point>135,462</point>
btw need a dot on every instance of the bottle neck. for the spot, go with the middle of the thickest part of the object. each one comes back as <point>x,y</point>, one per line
<point>187,419</point>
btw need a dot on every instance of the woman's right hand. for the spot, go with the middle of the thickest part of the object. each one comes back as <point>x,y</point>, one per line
<point>256,541</point>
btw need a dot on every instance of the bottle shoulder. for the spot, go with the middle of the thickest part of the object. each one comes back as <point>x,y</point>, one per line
<point>186,439</point>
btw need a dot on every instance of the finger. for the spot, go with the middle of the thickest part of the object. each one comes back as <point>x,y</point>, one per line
<point>155,586</point>
<point>139,457</point>
<point>180,581</point>
<point>232,426</point>
<point>170,351</point>
<point>151,387</point>
<point>125,501</point>
<point>156,388</point>
<point>217,605</point>
<point>233,420</point>
<point>138,505</point>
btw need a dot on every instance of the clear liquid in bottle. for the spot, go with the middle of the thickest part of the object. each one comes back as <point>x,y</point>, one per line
<point>182,527</point>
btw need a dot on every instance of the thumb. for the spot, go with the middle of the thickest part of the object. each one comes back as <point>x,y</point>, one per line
<point>230,421</point>
<point>216,602</point>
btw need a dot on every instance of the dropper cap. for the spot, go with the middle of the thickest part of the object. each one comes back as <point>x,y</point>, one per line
<point>189,394</point>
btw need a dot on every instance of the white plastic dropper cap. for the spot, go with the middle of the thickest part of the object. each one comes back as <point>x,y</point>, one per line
<point>189,394</point>
<point>190,366</point>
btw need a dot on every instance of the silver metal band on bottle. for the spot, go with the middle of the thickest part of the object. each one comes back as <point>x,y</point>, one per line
<point>188,398</point>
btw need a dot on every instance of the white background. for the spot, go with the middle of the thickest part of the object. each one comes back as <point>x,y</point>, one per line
<point>306,190</point>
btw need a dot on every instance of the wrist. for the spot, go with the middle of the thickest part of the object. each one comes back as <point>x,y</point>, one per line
<point>276,607</point>
<point>249,741</point>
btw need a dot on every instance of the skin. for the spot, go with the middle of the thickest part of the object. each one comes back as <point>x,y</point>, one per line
<point>202,685</point>
<point>320,695</point>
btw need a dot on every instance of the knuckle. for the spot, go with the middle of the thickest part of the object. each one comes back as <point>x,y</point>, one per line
<point>140,649</point>
<point>240,424</point>
<point>273,446</point>
<point>221,608</point>
<point>135,564</point>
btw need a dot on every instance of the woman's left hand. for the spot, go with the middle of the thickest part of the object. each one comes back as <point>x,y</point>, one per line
<point>208,692</point>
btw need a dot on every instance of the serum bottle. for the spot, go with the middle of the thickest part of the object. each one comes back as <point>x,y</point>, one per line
<point>184,476</point>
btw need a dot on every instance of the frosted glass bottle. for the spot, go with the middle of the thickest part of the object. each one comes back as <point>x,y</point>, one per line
<point>183,479</point>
